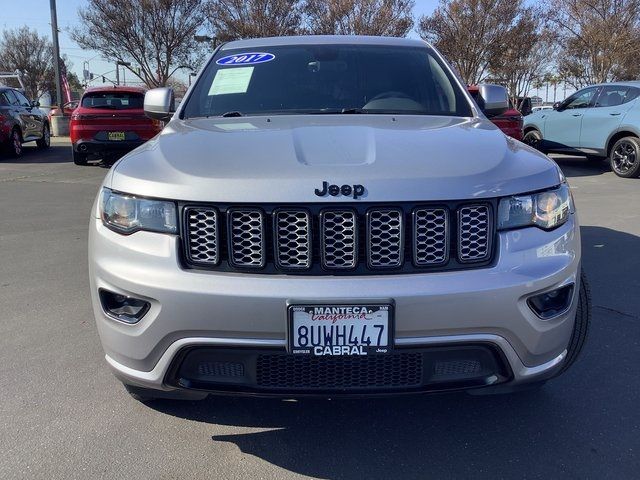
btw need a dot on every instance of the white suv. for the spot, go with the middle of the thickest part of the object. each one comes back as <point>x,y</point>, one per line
<point>334,215</point>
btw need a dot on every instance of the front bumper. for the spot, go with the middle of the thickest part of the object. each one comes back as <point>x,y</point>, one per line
<point>94,146</point>
<point>248,311</point>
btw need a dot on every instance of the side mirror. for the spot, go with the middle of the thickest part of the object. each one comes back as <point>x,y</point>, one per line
<point>35,104</point>
<point>556,106</point>
<point>159,103</point>
<point>493,99</point>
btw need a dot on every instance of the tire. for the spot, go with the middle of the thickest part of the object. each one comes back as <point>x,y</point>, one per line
<point>14,145</point>
<point>78,158</point>
<point>533,138</point>
<point>581,326</point>
<point>45,141</point>
<point>625,157</point>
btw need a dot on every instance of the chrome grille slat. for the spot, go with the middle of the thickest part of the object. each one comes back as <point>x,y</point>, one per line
<point>339,239</point>
<point>430,236</point>
<point>474,233</point>
<point>203,245</point>
<point>385,238</point>
<point>246,237</point>
<point>292,229</point>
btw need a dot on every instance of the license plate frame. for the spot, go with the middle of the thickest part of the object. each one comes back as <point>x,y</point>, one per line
<point>361,349</point>
<point>116,136</point>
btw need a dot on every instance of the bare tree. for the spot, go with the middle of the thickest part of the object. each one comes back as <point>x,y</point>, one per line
<point>392,18</point>
<point>25,50</point>
<point>600,40</point>
<point>155,36</point>
<point>469,33</point>
<point>233,19</point>
<point>525,55</point>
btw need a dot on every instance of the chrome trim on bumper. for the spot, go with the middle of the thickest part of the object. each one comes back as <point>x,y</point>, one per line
<point>155,378</point>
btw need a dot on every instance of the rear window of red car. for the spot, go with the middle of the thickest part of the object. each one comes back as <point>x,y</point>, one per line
<point>113,100</point>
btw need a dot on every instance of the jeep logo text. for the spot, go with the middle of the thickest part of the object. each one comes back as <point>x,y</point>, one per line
<point>335,190</point>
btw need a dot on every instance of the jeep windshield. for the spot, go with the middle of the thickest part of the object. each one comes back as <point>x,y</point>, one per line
<point>326,79</point>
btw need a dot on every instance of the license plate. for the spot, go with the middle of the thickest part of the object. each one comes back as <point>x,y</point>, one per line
<point>336,330</point>
<point>115,136</point>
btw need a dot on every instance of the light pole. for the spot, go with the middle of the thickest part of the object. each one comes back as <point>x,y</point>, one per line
<point>56,51</point>
<point>118,64</point>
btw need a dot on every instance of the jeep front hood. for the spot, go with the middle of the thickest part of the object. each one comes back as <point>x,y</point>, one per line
<point>283,159</point>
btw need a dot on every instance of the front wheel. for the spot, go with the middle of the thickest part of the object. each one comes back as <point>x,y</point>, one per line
<point>533,138</point>
<point>625,157</point>
<point>14,147</point>
<point>581,326</point>
<point>45,140</point>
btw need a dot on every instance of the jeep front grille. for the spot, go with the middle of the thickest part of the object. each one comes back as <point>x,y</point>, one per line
<point>354,239</point>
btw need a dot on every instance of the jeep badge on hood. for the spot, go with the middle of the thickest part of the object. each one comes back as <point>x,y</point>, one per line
<point>335,190</point>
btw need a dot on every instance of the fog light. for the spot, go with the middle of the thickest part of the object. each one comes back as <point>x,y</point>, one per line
<point>553,303</point>
<point>123,308</point>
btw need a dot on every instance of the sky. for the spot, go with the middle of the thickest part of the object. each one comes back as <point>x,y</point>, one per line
<point>36,14</point>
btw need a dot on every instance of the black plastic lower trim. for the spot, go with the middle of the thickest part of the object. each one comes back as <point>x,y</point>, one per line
<point>272,371</point>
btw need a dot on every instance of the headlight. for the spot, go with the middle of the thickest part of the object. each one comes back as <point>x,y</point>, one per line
<point>546,210</point>
<point>127,214</point>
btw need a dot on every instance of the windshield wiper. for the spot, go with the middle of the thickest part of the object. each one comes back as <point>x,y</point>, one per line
<point>234,113</point>
<point>345,111</point>
<point>352,110</point>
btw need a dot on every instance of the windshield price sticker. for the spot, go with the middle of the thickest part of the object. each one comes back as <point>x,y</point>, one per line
<point>336,330</point>
<point>250,58</point>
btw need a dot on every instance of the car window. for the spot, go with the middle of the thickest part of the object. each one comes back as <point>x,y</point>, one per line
<point>612,96</point>
<point>22,100</point>
<point>291,79</point>
<point>581,99</point>
<point>113,100</point>
<point>632,94</point>
<point>4,99</point>
<point>13,100</point>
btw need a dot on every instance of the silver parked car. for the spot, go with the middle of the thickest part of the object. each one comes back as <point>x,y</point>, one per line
<point>334,215</point>
<point>601,121</point>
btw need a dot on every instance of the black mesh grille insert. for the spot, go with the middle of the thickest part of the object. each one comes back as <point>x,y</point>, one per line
<point>385,238</point>
<point>457,367</point>
<point>399,370</point>
<point>473,233</point>
<point>221,369</point>
<point>293,238</point>
<point>203,242</point>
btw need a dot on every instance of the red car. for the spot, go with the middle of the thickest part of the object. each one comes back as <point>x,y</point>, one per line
<point>510,122</point>
<point>109,122</point>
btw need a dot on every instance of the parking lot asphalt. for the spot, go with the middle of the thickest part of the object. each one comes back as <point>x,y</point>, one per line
<point>63,415</point>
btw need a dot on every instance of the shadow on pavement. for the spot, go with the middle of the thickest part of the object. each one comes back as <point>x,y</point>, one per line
<point>572,427</point>
<point>32,154</point>
<point>581,167</point>
<point>54,154</point>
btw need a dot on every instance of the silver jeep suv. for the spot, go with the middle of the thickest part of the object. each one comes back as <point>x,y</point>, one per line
<point>334,215</point>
